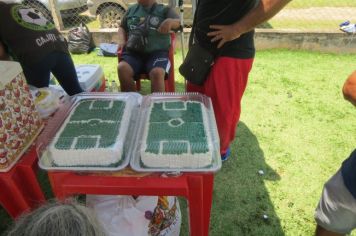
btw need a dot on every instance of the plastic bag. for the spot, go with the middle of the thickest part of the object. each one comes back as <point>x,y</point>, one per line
<point>46,100</point>
<point>145,215</point>
<point>80,40</point>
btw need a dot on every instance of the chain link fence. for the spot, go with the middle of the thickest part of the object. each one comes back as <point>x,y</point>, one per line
<point>301,15</point>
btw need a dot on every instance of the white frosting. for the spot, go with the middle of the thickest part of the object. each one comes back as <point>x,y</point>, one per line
<point>92,156</point>
<point>184,160</point>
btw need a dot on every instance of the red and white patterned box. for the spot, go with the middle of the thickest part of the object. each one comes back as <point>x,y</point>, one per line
<point>19,120</point>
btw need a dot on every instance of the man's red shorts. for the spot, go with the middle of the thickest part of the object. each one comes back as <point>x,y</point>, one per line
<point>225,86</point>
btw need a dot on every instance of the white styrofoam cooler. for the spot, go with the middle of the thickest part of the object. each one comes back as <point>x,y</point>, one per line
<point>91,77</point>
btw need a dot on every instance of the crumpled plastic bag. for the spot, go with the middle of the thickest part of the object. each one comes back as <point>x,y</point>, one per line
<point>47,100</point>
<point>80,40</point>
<point>123,215</point>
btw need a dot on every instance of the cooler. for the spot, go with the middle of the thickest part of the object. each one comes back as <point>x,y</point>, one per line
<point>19,120</point>
<point>91,78</point>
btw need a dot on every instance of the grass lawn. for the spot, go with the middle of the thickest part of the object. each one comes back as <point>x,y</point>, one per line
<point>295,126</point>
<point>303,24</point>
<point>321,3</point>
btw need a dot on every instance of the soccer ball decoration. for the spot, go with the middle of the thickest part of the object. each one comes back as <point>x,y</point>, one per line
<point>30,15</point>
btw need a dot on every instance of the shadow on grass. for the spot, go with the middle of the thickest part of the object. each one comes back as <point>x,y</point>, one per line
<point>240,198</point>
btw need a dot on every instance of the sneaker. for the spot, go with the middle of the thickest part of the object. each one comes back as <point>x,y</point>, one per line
<point>226,155</point>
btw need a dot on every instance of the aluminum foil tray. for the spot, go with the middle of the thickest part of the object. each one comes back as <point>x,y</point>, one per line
<point>89,137</point>
<point>176,132</point>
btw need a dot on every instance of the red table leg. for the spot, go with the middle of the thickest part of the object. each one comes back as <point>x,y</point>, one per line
<point>195,201</point>
<point>208,186</point>
<point>27,169</point>
<point>56,183</point>
<point>20,191</point>
<point>11,198</point>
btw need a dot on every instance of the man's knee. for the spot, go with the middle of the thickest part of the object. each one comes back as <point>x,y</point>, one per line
<point>124,69</point>
<point>157,73</point>
<point>320,231</point>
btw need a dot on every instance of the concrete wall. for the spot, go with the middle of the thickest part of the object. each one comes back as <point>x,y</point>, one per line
<point>334,42</point>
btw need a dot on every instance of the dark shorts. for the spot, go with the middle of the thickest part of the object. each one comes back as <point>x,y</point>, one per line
<point>142,63</point>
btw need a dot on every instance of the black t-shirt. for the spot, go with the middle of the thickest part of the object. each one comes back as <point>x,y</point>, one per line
<point>348,171</point>
<point>224,12</point>
<point>27,34</point>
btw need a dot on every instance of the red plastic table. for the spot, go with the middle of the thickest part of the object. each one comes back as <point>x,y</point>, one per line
<point>196,187</point>
<point>20,190</point>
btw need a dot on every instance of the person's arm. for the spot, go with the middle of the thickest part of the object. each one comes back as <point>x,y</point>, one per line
<point>3,54</point>
<point>168,25</point>
<point>172,22</point>
<point>122,32</point>
<point>121,37</point>
<point>349,89</point>
<point>265,10</point>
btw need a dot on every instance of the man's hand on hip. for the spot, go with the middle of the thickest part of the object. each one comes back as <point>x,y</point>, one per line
<point>223,34</point>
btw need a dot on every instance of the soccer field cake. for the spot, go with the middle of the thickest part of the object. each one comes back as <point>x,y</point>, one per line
<point>92,135</point>
<point>176,136</point>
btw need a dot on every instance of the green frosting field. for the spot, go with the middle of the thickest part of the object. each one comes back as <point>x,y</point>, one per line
<point>93,124</point>
<point>175,129</point>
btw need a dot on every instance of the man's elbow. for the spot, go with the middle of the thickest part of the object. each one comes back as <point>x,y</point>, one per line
<point>175,24</point>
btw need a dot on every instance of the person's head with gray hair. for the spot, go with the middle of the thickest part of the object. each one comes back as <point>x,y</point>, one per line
<point>58,219</point>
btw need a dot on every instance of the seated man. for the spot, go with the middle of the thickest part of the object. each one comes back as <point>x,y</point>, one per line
<point>155,20</point>
<point>336,212</point>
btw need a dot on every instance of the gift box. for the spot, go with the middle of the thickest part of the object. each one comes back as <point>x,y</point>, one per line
<point>19,120</point>
<point>91,78</point>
